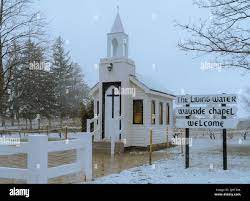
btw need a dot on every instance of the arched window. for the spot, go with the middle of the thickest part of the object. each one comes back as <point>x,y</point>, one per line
<point>124,50</point>
<point>124,47</point>
<point>114,47</point>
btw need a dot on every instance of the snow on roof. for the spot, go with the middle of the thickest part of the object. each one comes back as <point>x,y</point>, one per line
<point>153,85</point>
<point>148,82</point>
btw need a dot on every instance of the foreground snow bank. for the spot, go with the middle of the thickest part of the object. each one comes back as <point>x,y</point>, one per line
<point>205,166</point>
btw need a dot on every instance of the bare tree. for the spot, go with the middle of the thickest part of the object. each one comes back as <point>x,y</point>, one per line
<point>226,35</point>
<point>17,23</point>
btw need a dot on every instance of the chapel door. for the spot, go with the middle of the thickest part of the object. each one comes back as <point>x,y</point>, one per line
<point>112,112</point>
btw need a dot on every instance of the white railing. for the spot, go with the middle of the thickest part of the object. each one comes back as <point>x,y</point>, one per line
<point>97,123</point>
<point>115,136</point>
<point>120,118</point>
<point>37,149</point>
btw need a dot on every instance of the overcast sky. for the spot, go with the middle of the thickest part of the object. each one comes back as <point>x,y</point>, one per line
<point>153,41</point>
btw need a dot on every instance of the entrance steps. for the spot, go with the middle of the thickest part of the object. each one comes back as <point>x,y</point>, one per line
<point>105,147</point>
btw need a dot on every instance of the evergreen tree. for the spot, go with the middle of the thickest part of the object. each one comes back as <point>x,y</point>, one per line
<point>78,90</point>
<point>37,84</point>
<point>63,74</point>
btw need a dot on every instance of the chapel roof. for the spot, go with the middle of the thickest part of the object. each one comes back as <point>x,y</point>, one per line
<point>145,84</point>
<point>152,85</point>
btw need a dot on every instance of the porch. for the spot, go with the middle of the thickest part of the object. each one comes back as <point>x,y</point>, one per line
<point>109,145</point>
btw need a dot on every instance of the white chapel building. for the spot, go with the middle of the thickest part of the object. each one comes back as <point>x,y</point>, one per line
<point>125,107</point>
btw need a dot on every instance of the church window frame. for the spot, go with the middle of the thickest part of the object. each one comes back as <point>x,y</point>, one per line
<point>138,111</point>
<point>160,113</point>
<point>153,112</point>
<point>97,110</point>
<point>114,45</point>
<point>124,50</point>
<point>167,114</point>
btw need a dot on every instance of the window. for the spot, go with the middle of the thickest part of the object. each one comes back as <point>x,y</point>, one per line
<point>167,114</point>
<point>124,50</point>
<point>137,111</point>
<point>97,108</point>
<point>124,47</point>
<point>97,111</point>
<point>160,113</point>
<point>153,112</point>
<point>114,47</point>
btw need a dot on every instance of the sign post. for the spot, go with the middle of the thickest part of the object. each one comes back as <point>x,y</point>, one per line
<point>224,144</point>
<point>187,144</point>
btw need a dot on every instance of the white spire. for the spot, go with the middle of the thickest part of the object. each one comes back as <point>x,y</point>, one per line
<point>117,26</point>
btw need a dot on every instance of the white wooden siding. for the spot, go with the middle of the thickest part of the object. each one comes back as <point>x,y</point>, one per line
<point>138,135</point>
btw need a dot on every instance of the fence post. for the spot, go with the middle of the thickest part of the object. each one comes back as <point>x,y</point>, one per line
<point>112,143</point>
<point>167,138</point>
<point>66,132</point>
<point>38,159</point>
<point>181,142</point>
<point>150,146</point>
<point>84,155</point>
<point>88,125</point>
<point>113,136</point>
<point>95,123</point>
<point>80,155</point>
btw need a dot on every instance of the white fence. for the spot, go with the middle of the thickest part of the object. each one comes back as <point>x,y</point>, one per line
<point>96,133</point>
<point>37,149</point>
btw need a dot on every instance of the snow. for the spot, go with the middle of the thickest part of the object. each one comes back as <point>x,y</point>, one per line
<point>153,84</point>
<point>205,166</point>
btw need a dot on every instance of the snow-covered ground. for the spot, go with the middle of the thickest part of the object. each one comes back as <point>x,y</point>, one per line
<point>205,166</point>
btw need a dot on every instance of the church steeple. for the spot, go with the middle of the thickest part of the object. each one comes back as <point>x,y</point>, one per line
<point>117,26</point>
<point>117,39</point>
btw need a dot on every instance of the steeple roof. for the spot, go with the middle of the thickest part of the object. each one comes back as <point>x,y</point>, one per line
<point>117,26</point>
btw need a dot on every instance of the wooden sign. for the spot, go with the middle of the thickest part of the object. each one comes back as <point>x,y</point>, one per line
<point>197,111</point>
<point>207,99</point>
<point>216,112</point>
<point>207,123</point>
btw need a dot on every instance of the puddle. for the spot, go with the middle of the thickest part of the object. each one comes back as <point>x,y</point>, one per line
<point>104,165</point>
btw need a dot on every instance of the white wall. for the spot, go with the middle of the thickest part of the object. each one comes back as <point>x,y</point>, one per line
<point>136,133</point>
<point>122,68</point>
<point>139,134</point>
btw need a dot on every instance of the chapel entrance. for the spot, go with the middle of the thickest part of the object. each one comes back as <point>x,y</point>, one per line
<point>112,113</point>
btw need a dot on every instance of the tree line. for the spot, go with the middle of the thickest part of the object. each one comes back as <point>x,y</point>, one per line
<point>36,79</point>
